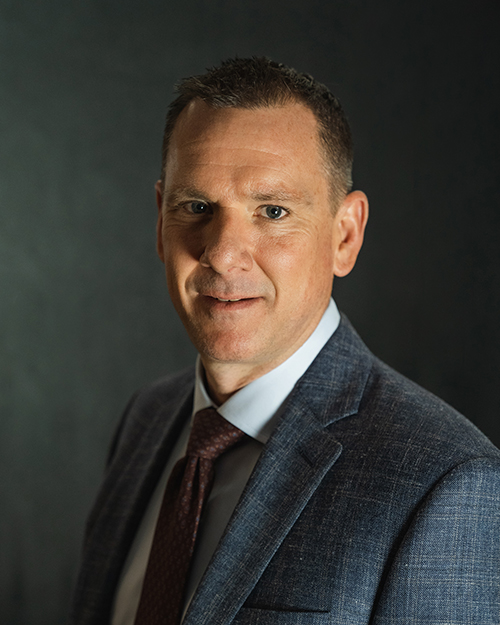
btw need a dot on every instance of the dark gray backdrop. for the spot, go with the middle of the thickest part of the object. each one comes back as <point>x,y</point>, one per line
<point>85,315</point>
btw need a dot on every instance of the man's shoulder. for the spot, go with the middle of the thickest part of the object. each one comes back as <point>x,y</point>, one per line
<point>162,395</point>
<point>417,411</point>
<point>155,407</point>
<point>165,390</point>
<point>396,413</point>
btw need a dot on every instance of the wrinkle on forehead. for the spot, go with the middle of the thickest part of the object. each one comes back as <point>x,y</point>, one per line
<point>260,171</point>
<point>262,180</point>
<point>194,152</point>
<point>223,147</point>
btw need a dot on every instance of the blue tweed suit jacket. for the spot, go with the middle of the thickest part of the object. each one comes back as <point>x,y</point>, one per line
<point>373,502</point>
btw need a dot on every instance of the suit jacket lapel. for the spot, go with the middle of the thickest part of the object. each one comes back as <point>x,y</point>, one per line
<point>292,465</point>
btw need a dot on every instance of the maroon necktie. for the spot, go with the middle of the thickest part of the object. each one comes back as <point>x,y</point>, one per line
<point>175,534</point>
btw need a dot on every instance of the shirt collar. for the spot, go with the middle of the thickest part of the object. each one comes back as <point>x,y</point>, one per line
<point>254,409</point>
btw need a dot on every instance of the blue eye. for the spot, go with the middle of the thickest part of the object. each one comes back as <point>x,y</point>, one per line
<point>274,212</point>
<point>198,208</point>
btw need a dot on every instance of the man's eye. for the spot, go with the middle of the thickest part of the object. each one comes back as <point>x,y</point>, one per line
<point>198,208</point>
<point>275,212</point>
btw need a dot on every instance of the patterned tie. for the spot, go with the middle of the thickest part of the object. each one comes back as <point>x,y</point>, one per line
<point>175,535</point>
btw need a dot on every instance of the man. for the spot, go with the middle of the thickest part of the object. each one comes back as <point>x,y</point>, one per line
<point>353,495</point>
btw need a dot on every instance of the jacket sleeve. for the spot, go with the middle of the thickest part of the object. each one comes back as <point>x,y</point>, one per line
<point>447,568</point>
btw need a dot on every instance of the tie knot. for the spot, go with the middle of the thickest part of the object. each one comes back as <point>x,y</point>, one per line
<point>211,435</point>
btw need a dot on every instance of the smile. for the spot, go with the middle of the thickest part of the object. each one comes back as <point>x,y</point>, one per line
<point>230,303</point>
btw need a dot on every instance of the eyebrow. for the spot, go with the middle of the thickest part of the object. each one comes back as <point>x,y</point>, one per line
<point>185,193</point>
<point>280,195</point>
<point>272,195</point>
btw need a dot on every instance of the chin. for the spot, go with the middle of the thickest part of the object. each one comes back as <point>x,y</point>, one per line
<point>227,348</point>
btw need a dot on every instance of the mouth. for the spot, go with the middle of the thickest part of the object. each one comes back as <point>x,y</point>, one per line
<point>229,303</point>
<point>229,297</point>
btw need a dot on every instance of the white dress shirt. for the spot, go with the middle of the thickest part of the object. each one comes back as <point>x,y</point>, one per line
<point>254,409</point>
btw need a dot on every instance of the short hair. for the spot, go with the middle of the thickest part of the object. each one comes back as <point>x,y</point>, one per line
<point>258,82</point>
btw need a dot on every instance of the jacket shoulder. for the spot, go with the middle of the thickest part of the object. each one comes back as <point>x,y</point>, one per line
<point>394,425</point>
<point>163,391</point>
<point>419,415</point>
<point>160,397</point>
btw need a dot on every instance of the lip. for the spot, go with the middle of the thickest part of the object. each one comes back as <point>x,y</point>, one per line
<point>228,302</point>
<point>228,297</point>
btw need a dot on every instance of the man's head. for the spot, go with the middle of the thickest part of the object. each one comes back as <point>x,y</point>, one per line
<point>248,236</point>
<point>258,82</point>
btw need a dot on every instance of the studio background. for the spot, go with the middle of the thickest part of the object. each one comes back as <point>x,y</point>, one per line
<point>85,317</point>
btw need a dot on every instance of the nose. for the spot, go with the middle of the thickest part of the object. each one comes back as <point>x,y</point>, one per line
<point>227,244</point>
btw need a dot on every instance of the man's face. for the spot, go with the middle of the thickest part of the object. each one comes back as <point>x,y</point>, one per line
<point>247,233</point>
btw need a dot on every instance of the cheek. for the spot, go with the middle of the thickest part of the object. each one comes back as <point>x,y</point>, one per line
<point>180,238</point>
<point>177,269</point>
<point>180,250</point>
<point>277,257</point>
<point>289,268</point>
<point>298,262</point>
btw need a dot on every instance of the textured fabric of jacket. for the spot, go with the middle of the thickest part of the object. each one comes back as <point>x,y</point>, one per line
<point>372,502</point>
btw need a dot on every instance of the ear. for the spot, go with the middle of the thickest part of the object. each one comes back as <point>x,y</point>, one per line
<point>159,223</point>
<point>351,219</point>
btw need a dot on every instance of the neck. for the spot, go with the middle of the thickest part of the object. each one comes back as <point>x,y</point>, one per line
<point>224,379</point>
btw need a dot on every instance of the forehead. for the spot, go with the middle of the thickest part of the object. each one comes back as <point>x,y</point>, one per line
<point>281,139</point>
